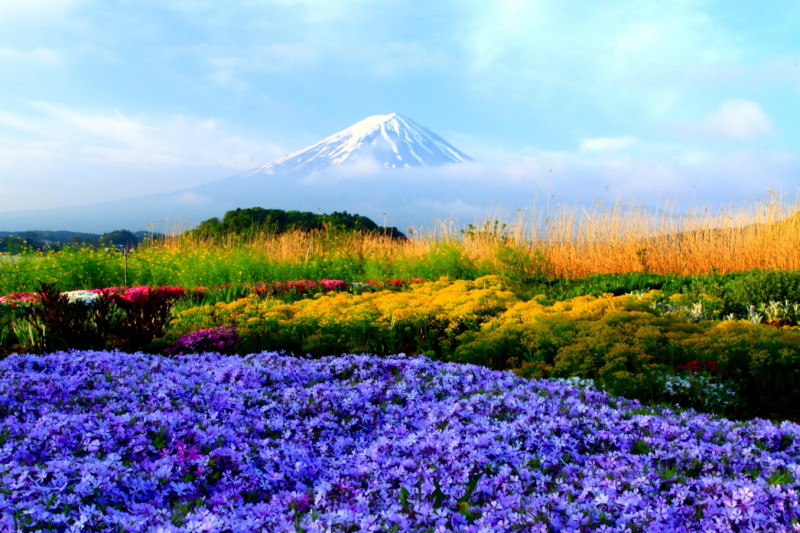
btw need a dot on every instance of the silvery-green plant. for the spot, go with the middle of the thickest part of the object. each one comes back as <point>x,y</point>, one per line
<point>693,313</point>
<point>754,315</point>
<point>82,297</point>
<point>578,382</point>
<point>785,311</point>
<point>697,313</point>
<point>698,390</point>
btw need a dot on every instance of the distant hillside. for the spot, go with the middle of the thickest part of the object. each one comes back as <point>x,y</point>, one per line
<point>256,220</point>
<point>16,241</point>
<point>51,236</point>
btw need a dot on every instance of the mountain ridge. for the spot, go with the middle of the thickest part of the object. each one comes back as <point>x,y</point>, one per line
<point>344,171</point>
<point>392,141</point>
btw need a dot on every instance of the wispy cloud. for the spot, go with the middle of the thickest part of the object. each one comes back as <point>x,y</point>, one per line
<point>10,11</point>
<point>39,54</point>
<point>117,137</point>
<point>735,122</point>
<point>637,58</point>
<point>70,154</point>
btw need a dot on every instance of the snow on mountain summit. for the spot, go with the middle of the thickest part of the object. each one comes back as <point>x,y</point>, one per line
<point>391,141</point>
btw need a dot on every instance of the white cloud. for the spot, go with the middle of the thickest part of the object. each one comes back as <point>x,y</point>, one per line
<point>116,137</point>
<point>63,155</point>
<point>734,121</point>
<point>738,119</point>
<point>113,126</point>
<point>607,144</point>
<point>18,123</point>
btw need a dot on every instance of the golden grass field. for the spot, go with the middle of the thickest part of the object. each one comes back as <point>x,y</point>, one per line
<point>570,243</point>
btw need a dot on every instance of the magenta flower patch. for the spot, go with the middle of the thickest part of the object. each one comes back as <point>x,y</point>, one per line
<point>221,339</point>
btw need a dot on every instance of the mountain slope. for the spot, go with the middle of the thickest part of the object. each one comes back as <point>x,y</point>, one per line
<point>341,172</point>
<point>390,141</point>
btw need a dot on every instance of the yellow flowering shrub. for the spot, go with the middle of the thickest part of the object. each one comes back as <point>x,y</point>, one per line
<point>630,348</point>
<point>427,317</point>
<point>240,313</point>
<point>582,307</point>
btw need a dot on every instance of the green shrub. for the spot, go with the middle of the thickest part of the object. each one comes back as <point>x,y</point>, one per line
<point>764,361</point>
<point>632,349</point>
<point>533,345</point>
<point>760,287</point>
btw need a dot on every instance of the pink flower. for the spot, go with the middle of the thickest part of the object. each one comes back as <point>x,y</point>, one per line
<point>19,297</point>
<point>333,284</point>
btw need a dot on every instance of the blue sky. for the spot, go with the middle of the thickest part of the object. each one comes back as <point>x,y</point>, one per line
<point>104,99</point>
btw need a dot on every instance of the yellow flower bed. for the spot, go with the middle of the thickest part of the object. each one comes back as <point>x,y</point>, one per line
<point>627,343</point>
<point>426,317</point>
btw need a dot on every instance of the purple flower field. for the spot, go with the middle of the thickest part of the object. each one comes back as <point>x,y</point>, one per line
<point>107,441</point>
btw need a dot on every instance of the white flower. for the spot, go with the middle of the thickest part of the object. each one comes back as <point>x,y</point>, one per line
<point>82,297</point>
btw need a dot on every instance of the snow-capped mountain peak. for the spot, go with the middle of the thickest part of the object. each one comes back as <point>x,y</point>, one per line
<point>391,141</point>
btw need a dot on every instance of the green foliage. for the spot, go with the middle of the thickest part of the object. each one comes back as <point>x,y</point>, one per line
<point>255,220</point>
<point>14,245</point>
<point>532,346</point>
<point>760,286</point>
<point>518,263</point>
<point>121,238</point>
<point>633,351</point>
<point>446,258</point>
<point>764,361</point>
<point>618,284</point>
<point>71,268</point>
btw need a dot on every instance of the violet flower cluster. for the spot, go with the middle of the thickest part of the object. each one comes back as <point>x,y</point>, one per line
<point>220,339</point>
<point>107,441</point>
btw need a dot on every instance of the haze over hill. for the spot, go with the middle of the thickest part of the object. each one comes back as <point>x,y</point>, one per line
<point>556,102</point>
<point>386,166</point>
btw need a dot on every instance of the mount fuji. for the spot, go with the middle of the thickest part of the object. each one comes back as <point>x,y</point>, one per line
<point>348,170</point>
<point>391,141</point>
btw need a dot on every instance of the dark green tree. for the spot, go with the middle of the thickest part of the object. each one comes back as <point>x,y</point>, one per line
<point>121,237</point>
<point>255,220</point>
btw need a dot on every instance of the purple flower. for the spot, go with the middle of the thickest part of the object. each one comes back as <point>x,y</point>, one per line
<point>220,339</point>
<point>136,442</point>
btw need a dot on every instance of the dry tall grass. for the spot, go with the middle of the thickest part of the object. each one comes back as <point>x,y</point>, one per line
<point>633,240</point>
<point>570,243</point>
